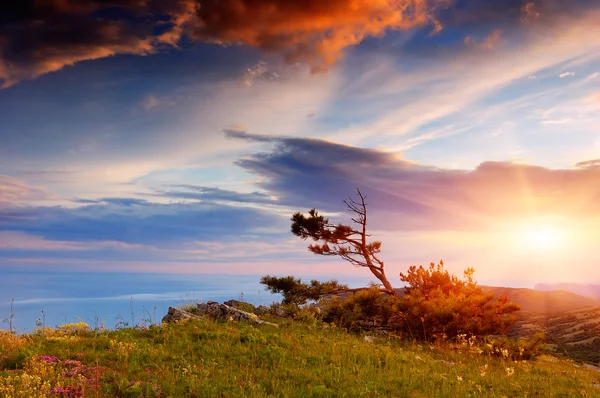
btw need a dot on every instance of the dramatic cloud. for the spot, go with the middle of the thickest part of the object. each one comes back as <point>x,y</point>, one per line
<point>132,221</point>
<point>309,172</point>
<point>37,37</point>
<point>314,30</point>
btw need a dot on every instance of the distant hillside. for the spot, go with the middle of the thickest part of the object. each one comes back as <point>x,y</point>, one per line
<point>583,289</point>
<point>575,334</point>
<point>540,302</point>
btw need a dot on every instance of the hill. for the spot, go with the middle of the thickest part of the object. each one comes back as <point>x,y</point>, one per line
<point>206,358</point>
<point>588,290</point>
<point>574,334</point>
<point>543,302</point>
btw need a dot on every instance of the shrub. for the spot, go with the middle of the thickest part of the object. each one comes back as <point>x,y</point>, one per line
<point>366,309</point>
<point>296,292</point>
<point>439,304</point>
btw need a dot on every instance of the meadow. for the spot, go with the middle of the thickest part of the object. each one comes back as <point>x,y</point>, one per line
<point>300,358</point>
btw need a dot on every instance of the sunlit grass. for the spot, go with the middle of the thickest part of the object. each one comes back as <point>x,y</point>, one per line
<point>206,358</point>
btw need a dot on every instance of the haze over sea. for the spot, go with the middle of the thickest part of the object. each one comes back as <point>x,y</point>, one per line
<point>72,296</point>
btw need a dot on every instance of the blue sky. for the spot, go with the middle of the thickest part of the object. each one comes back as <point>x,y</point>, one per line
<point>149,137</point>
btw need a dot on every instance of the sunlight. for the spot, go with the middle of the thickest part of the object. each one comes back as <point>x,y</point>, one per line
<point>543,236</point>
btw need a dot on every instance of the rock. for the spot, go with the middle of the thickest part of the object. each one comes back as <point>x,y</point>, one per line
<point>262,310</point>
<point>370,339</point>
<point>176,315</point>
<point>211,309</point>
<point>239,304</point>
<point>279,312</point>
<point>592,367</point>
<point>228,313</point>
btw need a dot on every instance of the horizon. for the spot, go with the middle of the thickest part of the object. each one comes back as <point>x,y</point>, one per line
<point>179,138</point>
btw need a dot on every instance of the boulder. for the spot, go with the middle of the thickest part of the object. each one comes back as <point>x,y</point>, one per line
<point>279,312</point>
<point>176,315</point>
<point>263,310</point>
<point>228,313</point>
<point>239,304</point>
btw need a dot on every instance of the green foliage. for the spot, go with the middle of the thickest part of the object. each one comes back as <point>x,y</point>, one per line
<point>437,304</point>
<point>366,309</point>
<point>296,292</point>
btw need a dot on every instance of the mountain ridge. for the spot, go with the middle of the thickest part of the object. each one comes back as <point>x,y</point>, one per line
<point>543,302</point>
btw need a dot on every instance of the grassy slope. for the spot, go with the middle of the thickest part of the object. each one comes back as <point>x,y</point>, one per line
<point>212,359</point>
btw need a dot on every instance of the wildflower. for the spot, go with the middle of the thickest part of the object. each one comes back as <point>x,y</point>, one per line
<point>510,371</point>
<point>48,358</point>
<point>483,369</point>
<point>71,362</point>
<point>459,377</point>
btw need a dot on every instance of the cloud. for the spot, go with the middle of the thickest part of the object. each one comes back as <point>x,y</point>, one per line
<point>317,173</point>
<point>150,102</point>
<point>13,190</point>
<point>595,163</point>
<point>125,202</point>
<point>41,37</point>
<point>313,30</point>
<point>211,194</point>
<point>530,11</point>
<point>489,42</point>
<point>513,12</point>
<point>566,74</point>
<point>133,221</point>
<point>258,72</point>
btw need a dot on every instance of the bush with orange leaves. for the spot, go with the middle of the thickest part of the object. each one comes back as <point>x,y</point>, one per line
<point>438,305</point>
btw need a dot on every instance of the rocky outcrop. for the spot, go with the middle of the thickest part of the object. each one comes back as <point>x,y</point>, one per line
<point>229,313</point>
<point>275,310</point>
<point>263,310</point>
<point>176,315</point>
<point>240,305</point>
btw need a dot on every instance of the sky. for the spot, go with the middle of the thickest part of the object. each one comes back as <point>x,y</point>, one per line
<point>150,137</point>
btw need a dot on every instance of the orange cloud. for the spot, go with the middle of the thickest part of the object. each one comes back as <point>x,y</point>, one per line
<point>491,41</point>
<point>530,12</point>
<point>51,34</point>
<point>316,31</point>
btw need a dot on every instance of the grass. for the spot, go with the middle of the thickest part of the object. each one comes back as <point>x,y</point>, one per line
<point>207,358</point>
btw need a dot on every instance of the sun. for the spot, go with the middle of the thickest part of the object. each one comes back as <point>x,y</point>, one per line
<point>542,236</point>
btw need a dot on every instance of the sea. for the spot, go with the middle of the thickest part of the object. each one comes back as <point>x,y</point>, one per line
<point>117,299</point>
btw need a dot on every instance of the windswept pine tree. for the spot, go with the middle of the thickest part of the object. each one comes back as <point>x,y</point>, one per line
<point>351,243</point>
